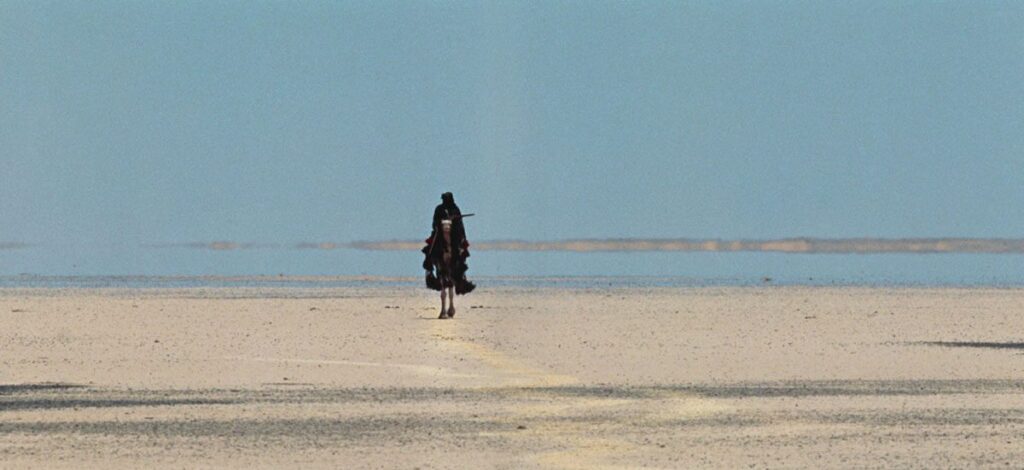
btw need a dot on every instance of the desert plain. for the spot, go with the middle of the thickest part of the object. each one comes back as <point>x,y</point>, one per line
<point>522,377</point>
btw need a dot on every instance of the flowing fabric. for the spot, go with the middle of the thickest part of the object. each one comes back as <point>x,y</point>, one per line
<point>434,251</point>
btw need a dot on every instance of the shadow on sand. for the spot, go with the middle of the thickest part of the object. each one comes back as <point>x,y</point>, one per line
<point>68,396</point>
<point>49,396</point>
<point>472,422</point>
<point>24,388</point>
<point>972,344</point>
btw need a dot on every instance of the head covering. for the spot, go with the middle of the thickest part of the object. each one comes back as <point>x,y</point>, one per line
<point>447,199</point>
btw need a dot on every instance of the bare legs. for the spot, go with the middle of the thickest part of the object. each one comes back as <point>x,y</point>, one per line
<point>444,310</point>
<point>447,309</point>
<point>451,301</point>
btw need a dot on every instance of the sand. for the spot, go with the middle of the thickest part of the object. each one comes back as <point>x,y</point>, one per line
<point>521,378</point>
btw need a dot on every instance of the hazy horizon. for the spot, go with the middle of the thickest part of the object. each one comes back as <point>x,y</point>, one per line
<point>802,245</point>
<point>247,129</point>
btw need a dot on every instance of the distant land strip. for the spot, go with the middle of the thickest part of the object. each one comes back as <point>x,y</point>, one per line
<point>785,245</point>
<point>13,245</point>
<point>220,245</point>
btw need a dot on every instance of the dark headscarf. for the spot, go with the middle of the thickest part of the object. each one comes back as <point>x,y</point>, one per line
<point>448,210</point>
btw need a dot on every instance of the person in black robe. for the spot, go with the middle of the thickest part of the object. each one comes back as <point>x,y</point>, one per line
<point>434,250</point>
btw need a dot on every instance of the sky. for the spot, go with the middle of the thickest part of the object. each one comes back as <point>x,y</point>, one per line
<point>132,124</point>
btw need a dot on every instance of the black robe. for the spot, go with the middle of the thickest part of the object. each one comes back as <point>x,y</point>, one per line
<point>435,248</point>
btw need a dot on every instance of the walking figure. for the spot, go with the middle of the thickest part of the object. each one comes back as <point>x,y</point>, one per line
<point>446,253</point>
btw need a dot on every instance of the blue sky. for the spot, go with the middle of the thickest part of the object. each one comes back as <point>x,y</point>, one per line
<point>130,123</point>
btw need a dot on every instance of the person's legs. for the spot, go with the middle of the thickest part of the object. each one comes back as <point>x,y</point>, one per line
<point>451,301</point>
<point>444,311</point>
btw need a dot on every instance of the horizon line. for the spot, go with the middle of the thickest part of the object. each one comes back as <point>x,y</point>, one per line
<point>860,245</point>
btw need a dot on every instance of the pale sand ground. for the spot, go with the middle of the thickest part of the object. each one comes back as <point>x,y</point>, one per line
<point>669,378</point>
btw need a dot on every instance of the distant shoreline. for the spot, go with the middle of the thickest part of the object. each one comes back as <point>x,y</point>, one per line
<point>783,245</point>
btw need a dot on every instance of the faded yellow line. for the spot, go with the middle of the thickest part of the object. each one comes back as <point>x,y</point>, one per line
<point>509,371</point>
<point>587,453</point>
<point>580,449</point>
<point>431,371</point>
